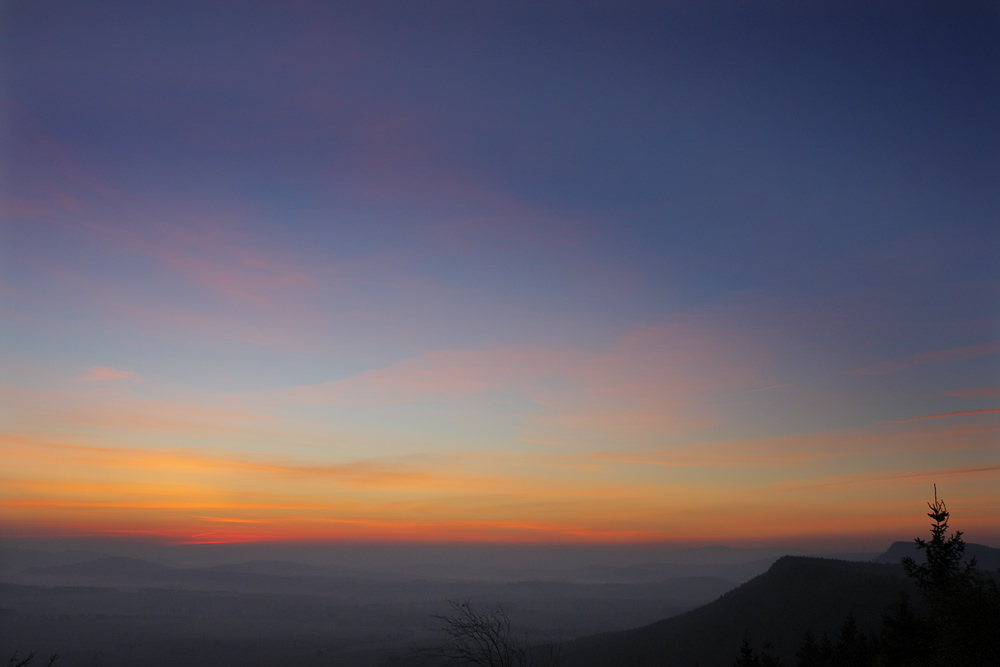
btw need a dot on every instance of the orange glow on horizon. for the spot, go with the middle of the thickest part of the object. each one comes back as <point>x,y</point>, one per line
<point>799,489</point>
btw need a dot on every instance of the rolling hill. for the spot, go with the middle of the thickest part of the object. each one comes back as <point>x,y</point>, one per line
<point>796,594</point>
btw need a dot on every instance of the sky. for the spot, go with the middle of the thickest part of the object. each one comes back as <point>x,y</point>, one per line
<point>558,272</point>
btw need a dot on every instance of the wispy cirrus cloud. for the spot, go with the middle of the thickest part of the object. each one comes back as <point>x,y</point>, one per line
<point>943,415</point>
<point>647,366</point>
<point>651,379</point>
<point>107,374</point>
<point>22,209</point>
<point>925,358</point>
<point>978,392</point>
<point>817,450</point>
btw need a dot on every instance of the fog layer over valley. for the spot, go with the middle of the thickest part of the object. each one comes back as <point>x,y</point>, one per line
<point>356,605</point>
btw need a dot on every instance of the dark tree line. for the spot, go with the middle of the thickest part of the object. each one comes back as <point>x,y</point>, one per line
<point>852,648</point>
<point>958,627</point>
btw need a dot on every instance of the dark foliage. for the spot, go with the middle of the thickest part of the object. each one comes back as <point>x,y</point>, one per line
<point>808,653</point>
<point>853,648</point>
<point>940,576</point>
<point>964,602</point>
<point>905,638</point>
<point>794,595</point>
<point>750,658</point>
<point>747,657</point>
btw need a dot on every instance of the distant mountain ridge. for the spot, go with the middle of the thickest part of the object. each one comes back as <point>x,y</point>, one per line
<point>796,594</point>
<point>14,559</point>
<point>118,571</point>
<point>152,604</point>
<point>986,557</point>
<point>118,566</point>
<point>298,578</point>
<point>282,568</point>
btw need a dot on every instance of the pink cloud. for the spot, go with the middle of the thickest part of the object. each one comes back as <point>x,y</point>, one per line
<point>649,367</point>
<point>924,358</point>
<point>979,392</point>
<point>441,373</point>
<point>213,252</point>
<point>71,204</point>
<point>773,386</point>
<point>652,380</point>
<point>247,278</point>
<point>964,413</point>
<point>22,209</point>
<point>816,451</point>
<point>105,374</point>
<point>672,361</point>
<point>64,170</point>
<point>946,473</point>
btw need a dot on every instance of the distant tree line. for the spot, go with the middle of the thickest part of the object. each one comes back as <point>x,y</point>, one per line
<point>959,626</point>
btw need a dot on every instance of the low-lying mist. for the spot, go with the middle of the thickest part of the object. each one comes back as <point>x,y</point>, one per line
<point>118,603</point>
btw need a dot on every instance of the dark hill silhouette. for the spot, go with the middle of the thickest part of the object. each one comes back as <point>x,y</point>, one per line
<point>135,573</point>
<point>986,557</point>
<point>737,572</point>
<point>280,568</point>
<point>101,567</point>
<point>796,594</point>
<point>14,559</point>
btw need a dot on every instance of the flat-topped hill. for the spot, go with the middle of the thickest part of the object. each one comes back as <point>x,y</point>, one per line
<point>796,594</point>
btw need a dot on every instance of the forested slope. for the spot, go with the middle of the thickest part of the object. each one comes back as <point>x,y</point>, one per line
<point>795,595</point>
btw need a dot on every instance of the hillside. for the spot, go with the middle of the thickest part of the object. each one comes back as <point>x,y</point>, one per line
<point>986,557</point>
<point>796,594</point>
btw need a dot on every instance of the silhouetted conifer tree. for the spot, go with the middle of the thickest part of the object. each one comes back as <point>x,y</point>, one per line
<point>747,657</point>
<point>808,653</point>
<point>768,659</point>
<point>936,577</point>
<point>962,628</point>
<point>904,639</point>
<point>849,634</point>
<point>825,650</point>
<point>852,644</point>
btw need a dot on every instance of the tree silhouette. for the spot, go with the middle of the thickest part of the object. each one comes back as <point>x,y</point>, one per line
<point>807,654</point>
<point>936,577</point>
<point>750,658</point>
<point>959,626</point>
<point>24,662</point>
<point>964,601</point>
<point>747,656</point>
<point>905,637</point>
<point>767,658</point>
<point>483,637</point>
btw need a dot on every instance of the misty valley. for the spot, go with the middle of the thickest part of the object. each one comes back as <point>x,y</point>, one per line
<point>691,605</point>
<point>114,610</point>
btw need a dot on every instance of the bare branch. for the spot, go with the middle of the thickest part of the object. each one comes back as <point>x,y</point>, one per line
<point>483,637</point>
